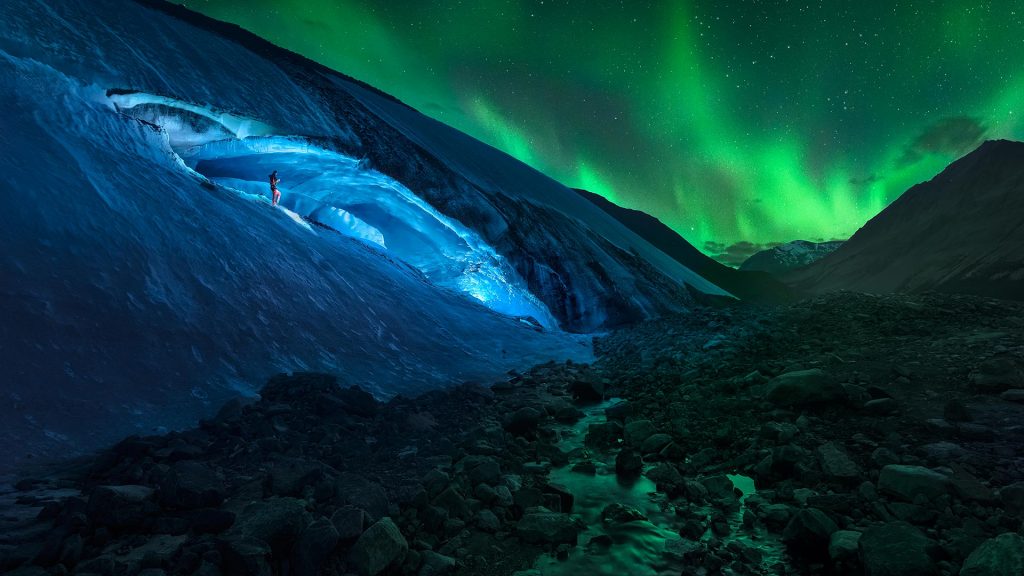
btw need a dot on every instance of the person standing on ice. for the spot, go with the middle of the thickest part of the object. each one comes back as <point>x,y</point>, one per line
<point>274,180</point>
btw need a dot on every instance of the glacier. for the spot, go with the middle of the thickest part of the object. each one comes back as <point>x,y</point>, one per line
<point>146,278</point>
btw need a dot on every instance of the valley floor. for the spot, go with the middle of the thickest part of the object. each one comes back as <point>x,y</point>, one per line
<point>847,434</point>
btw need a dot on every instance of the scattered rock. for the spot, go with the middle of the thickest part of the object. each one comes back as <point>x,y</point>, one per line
<point>808,533</point>
<point>908,482</point>
<point>804,388</point>
<point>381,546</point>
<point>843,545</point>
<point>896,549</point>
<point>835,463</point>
<point>999,556</point>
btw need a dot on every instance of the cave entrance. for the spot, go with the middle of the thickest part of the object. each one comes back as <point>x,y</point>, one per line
<point>339,193</point>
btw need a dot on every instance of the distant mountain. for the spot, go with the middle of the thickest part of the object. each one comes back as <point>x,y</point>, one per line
<point>751,286</point>
<point>789,256</point>
<point>963,231</point>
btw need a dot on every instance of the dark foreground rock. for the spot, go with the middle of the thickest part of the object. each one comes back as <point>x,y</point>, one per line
<point>879,433</point>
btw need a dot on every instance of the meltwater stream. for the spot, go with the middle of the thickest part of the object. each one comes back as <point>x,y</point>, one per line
<point>640,547</point>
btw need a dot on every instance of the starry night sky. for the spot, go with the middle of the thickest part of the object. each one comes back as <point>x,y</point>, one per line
<point>739,124</point>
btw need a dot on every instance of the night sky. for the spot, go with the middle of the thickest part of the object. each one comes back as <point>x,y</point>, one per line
<point>739,124</point>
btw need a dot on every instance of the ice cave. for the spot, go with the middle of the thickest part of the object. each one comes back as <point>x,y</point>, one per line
<point>332,191</point>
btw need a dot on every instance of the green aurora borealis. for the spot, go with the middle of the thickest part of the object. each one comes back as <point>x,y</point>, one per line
<point>736,123</point>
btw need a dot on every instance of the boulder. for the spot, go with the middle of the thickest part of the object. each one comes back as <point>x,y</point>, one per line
<point>120,507</point>
<point>895,549</point>
<point>314,545</point>
<point>191,484</point>
<point>835,463</point>
<point>619,411</point>
<point>628,463</point>
<point>276,521</point>
<point>804,388</point>
<point>843,545</point>
<point>809,532</point>
<point>666,478</point>
<point>523,421</point>
<point>998,374</point>
<point>603,434</point>
<point>380,546</point>
<point>481,469</point>
<point>655,443</point>
<point>349,522</point>
<point>637,431</point>
<point>245,555</point>
<point>1012,497</point>
<point>362,493</point>
<point>907,482</point>
<point>289,476</point>
<point>488,521</point>
<point>541,526</point>
<point>719,487</point>
<point>620,513</point>
<point>435,564</point>
<point>999,556</point>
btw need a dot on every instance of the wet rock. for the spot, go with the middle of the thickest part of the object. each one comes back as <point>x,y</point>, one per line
<point>586,467</point>
<point>637,431</point>
<point>775,516</point>
<point>620,513</point>
<point>603,434</point>
<point>619,411</point>
<point>808,533</point>
<point>314,545</point>
<point>907,482</point>
<point>655,443</point>
<point>895,549</point>
<point>563,496</point>
<point>719,487</point>
<point>999,556</point>
<point>539,526</point>
<point>628,463</point>
<point>381,546</point>
<point>804,388</point>
<point>843,545</point>
<point>666,478</point>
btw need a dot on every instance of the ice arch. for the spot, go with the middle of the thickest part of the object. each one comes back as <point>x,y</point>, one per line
<point>338,192</point>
